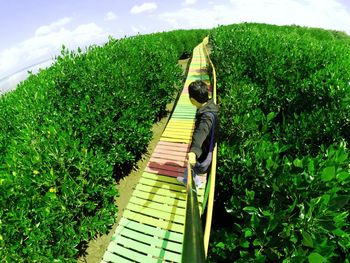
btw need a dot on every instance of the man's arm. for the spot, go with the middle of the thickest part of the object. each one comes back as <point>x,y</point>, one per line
<point>199,135</point>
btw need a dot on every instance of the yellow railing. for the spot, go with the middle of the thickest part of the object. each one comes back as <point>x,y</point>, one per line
<point>195,243</point>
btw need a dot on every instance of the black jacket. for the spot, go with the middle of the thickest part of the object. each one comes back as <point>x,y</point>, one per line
<point>202,131</point>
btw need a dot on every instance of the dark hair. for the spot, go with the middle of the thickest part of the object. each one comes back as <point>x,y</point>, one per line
<point>198,90</point>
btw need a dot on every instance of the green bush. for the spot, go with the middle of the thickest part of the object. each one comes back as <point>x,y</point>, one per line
<point>283,153</point>
<point>68,131</point>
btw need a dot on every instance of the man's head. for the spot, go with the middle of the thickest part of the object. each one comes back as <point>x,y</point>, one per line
<point>198,91</point>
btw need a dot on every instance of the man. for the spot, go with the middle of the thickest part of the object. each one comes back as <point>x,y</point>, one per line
<point>203,137</point>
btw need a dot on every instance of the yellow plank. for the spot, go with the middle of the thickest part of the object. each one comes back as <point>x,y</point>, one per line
<point>183,133</point>
<point>157,206</point>
<point>180,137</point>
<point>165,139</point>
<point>156,213</point>
<point>163,178</point>
<point>173,128</point>
<point>154,222</point>
<point>160,191</point>
<point>160,184</point>
<point>160,199</point>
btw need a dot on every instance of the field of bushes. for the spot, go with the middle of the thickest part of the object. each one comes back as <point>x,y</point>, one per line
<point>283,162</point>
<point>68,132</point>
<point>283,175</point>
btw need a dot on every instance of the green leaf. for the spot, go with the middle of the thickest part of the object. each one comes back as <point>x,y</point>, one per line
<point>248,232</point>
<point>298,163</point>
<point>342,176</point>
<point>328,173</point>
<point>270,116</point>
<point>250,209</point>
<point>316,258</point>
<point>245,244</point>
<point>220,245</point>
<point>307,239</point>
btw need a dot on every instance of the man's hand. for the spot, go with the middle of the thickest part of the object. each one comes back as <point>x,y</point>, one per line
<point>191,156</point>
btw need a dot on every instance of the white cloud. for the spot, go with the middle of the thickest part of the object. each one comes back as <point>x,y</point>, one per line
<point>189,2</point>
<point>145,7</point>
<point>110,16</point>
<point>329,14</point>
<point>47,42</point>
<point>43,30</point>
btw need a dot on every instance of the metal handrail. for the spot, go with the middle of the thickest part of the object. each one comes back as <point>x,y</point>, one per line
<point>193,246</point>
<point>212,177</point>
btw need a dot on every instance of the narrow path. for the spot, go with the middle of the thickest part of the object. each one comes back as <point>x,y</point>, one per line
<point>152,225</point>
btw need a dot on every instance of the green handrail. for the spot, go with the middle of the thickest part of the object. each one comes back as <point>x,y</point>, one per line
<point>193,246</point>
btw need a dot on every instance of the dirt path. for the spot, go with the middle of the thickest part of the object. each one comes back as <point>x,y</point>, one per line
<point>97,246</point>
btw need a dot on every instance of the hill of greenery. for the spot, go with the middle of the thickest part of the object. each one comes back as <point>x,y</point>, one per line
<point>283,163</point>
<point>69,131</point>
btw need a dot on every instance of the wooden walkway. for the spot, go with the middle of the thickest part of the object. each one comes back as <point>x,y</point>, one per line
<point>152,225</point>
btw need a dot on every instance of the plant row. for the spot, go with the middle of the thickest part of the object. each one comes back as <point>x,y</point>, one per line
<point>283,161</point>
<point>68,132</point>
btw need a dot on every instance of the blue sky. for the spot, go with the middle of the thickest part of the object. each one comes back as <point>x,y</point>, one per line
<point>34,31</point>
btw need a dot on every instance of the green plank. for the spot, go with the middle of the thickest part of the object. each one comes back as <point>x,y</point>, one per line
<point>149,239</point>
<point>110,257</point>
<point>155,213</point>
<point>163,185</point>
<point>129,253</point>
<point>160,199</point>
<point>157,253</point>
<point>151,230</point>
<point>145,219</point>
<point>162,192</point>
<point>157,206</point>
<point>161,178</point>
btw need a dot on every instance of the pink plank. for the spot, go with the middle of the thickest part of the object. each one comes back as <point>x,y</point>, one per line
<point>171,148</point>
<point>165,160</point>
<point>173,154</point>
<point>170,166</point>
<point>169,156</point>
<point>164,172</point>
<point>177,145</point>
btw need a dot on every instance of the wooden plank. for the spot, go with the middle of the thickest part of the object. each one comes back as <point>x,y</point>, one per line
<point>160,199</point>
<point>172,146</point>
<point>169,167</point>
<point>152,230</point>
<point>167,225</point>
<point>174,140</point>
<point>175,145</point>
<point>177,137</point>
<point>171,152</point>
<point>165,192</point>
<point>129,253</point>
<point>167,179</point>
<point>148,238</point>
<point>154,252</point>
<point>182,132</point>
<point>178,129</point>
<point>168,157</point>
<point>163,172</point>
<point>157,206</point>
<point>111,257</point>
<point>160,184</point>
<point>155,213</point>
<point>163,161</point>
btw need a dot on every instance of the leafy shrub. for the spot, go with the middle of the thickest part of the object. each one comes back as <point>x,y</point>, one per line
<point>283,153</point>
<point>68,131</point>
